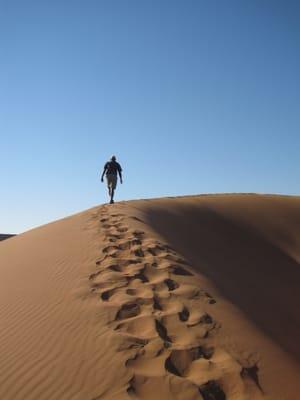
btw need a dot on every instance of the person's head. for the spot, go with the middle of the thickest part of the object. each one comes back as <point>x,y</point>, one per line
<point>113,158</point>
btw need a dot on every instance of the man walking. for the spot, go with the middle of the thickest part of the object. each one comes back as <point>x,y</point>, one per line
<point>111,169</point>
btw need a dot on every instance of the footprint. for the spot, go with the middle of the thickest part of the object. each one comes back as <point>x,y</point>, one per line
<point>142,387</point>
<point>105,296</point>
<point>148,363</point>
<point>114,254</point>
<point>138,253</point>
<point>156,250</point>
<point>132,343</point>
<point>128,310</point>
<point>129,244</point>
<point>144,292</point>
<point>109,249</point>
<point>142,327</point>
<point>211,300</point>
<point>115,236</point>
<point>117,224</point>
<point>122,230</point>
<point>132,292</point>
<point>171,284</point>
<point>106,226</point>
<point>180,333</point>
<point>206,319</point>
<point>197,316</point>
<point>140,275</point>
<point>138,233</point>
<point>184,314</point>
<point>212,391</point>
<point>177,270</point>
<point>115,267</point>
<point>251,373</point>
<point>94,275</point>
<point>156,303</point>
<point>155,275</point>
<point>162,331</point>
<point>179,361</point>
<point>98,262</point>
<point>128,262</point>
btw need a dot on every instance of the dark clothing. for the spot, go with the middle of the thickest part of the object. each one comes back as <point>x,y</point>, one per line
<point>112,168</point>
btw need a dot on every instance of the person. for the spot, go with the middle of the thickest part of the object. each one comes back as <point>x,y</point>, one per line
<point>111,169</point>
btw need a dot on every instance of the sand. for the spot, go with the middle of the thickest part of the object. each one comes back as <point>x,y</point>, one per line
<point>177,298</point>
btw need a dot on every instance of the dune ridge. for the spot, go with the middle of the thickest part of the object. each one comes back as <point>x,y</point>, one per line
<point>128,302</point>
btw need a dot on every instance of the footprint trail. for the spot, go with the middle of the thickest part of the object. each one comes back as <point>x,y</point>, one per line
<point>163,319</point>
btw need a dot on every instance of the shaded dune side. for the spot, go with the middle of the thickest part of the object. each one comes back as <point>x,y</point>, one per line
<point>4,236</point>
<point>234,244</point>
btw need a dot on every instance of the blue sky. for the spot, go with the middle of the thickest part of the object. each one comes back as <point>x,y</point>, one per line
<point>192,96</point>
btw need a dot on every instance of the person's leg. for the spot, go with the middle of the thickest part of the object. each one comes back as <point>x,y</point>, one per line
<point>112,195</point>
<point>113,188</point>
<point>109,184</point>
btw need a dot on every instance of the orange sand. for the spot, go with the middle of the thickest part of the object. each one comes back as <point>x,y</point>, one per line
<point>179,298</point>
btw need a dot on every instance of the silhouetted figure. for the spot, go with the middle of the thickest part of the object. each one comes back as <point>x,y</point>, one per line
<point>111,169</point>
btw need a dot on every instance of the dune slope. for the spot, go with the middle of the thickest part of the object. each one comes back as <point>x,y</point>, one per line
<point>179,298</point>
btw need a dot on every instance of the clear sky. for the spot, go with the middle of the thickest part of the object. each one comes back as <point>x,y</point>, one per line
<point>192,96</point>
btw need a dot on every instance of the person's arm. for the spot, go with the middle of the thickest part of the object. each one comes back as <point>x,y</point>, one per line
<point>120,173</point>
<point>104,170</point>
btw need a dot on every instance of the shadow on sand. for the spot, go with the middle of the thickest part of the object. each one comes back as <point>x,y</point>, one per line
<point>249,271</point>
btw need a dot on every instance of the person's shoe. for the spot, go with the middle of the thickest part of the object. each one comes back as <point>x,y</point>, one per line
<point>111,201</point>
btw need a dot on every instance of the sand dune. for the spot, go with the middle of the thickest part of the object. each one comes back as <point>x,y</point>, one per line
<point>178,298</point>
<point>4,236</point>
